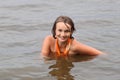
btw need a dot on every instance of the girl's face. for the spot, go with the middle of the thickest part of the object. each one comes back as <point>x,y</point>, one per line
<point>63,31</point>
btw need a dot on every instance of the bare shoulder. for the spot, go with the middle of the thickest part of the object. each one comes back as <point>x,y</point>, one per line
<point>48,41</point>
<point>75,43</point>
<point>46,46</point>
<point>48,38</point>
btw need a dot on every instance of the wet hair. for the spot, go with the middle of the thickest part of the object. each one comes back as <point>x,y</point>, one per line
<point>66,20</point>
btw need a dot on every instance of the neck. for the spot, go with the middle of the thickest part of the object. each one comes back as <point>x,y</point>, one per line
<point>64,47</point>
<point>62,44</point>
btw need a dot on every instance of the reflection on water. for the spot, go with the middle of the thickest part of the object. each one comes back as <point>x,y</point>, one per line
<point>61,69</point>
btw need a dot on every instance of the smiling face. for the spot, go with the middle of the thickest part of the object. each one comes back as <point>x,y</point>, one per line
<point>63,31</point>
<point>65,24</point>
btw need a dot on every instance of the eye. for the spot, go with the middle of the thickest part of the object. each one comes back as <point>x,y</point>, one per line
<point>67,31</point>
<point>60,30</point>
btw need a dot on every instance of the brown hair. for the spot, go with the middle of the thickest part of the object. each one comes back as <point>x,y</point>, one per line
<point>65,20</point>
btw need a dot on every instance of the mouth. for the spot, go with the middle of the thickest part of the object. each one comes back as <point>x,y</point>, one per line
<point>63,38</point>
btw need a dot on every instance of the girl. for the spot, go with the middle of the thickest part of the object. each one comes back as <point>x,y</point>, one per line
<point>62,43</point>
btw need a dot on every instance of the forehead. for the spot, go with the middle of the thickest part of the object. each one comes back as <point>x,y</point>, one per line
<point>63,25</point>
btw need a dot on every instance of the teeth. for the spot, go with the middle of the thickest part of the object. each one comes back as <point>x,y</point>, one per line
<point>62,38</point>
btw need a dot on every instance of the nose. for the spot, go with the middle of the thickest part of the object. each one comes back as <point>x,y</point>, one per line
<point>63,33</point>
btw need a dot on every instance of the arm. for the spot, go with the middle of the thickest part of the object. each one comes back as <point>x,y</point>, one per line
<point>85,49</point>
<point>46,47</point>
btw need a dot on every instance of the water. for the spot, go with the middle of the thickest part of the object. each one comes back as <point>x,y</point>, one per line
<point>25,23</point>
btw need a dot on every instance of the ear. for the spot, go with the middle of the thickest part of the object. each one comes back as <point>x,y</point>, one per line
<point>71,33</point>
<point>55,36</point>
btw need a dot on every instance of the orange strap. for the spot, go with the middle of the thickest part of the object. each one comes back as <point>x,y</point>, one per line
<point>66,51</point>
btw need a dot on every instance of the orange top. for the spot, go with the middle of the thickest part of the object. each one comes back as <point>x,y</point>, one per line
<point>66,50</point>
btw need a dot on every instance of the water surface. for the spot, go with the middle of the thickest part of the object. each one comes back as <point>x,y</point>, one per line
<point>25,23</point>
